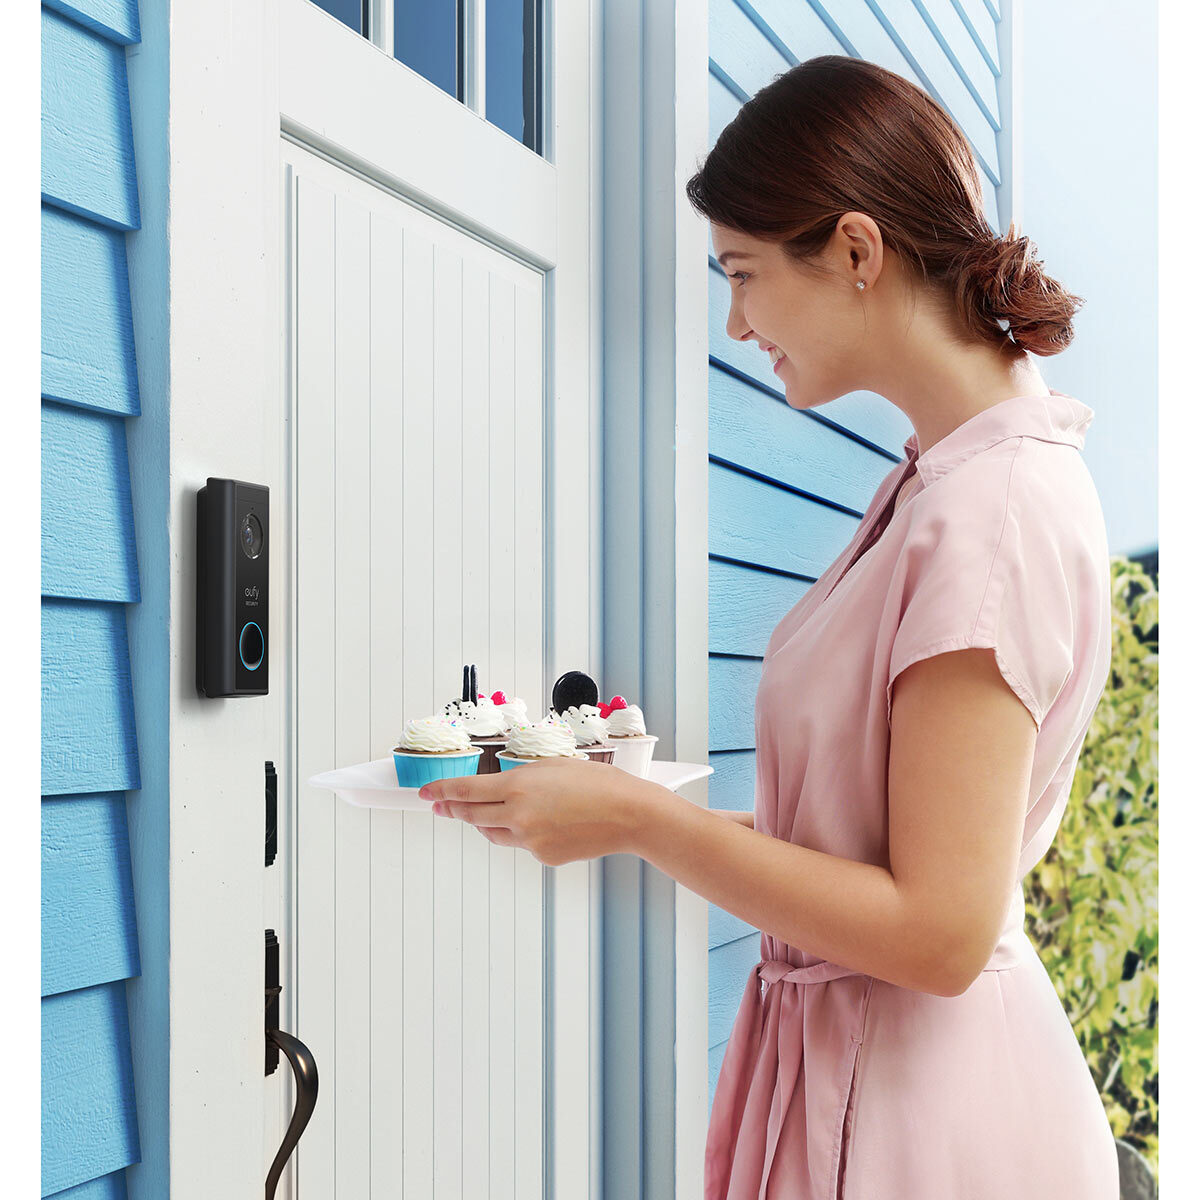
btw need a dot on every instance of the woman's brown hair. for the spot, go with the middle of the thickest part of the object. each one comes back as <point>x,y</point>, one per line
<point>837,134</point>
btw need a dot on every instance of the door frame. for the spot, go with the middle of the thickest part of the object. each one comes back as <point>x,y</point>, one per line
<point>238,77</point>
<point>655,369</point>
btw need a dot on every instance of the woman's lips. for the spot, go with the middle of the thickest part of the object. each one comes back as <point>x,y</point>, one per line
<point>776,365</point>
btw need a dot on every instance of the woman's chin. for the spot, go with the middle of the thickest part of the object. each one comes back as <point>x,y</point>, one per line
<point>801,400</point>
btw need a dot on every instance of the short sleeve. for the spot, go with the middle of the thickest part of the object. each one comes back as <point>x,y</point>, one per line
<point>990,573</point>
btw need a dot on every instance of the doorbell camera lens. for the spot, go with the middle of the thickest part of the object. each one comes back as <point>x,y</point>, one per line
<point>252,535</point>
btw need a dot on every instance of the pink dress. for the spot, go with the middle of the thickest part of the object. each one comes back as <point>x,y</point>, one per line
<point>839,1086</point>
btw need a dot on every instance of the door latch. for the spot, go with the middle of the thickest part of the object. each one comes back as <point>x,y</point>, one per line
<point>300,1058</point>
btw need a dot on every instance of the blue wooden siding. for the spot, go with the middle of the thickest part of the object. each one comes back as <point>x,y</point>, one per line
<point>87,324</point>
<point>788,488</point>
<point>89,575</point>
<point>106,1187</point>
<point>87,510</point>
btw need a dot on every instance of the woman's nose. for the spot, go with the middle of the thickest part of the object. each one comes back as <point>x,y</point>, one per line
<point>735,327</point>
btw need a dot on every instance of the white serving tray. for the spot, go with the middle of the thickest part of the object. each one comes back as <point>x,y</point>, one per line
<point>373,784</point>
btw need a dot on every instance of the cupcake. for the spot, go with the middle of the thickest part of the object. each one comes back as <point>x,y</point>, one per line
<point>468,700</point>
<point>487,725</point>
<point>550,737</point>
<point>634,747</point>
<point>432,748</point>
<point>622,718</point>
<point>591,732</point>
<point>514,710</point>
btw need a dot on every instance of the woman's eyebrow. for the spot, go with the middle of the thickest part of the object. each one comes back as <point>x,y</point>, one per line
<point>724,258</point>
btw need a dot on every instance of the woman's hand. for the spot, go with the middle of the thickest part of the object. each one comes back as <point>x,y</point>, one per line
<point>560,809</point>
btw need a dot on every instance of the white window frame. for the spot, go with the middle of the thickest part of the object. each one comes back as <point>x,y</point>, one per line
<point>381,31</point>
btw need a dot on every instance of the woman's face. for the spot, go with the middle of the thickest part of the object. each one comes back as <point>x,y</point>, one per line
<point>814,323</point>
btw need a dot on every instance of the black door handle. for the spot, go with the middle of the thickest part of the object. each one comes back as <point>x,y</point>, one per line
<point>300,1059</point>
<point>304,1070</point>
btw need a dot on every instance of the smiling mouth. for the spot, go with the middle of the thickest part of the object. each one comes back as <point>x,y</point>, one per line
<point>777,356</point>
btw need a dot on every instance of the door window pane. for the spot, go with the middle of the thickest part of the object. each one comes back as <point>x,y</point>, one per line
<point>513,69</point>
<point>349,12</point>
<point>427,39</point>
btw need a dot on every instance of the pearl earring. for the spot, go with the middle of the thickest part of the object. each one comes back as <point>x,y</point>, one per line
<point>860,284</point>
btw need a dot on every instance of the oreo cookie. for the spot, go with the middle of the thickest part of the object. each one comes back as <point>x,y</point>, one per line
<point>573,689</point>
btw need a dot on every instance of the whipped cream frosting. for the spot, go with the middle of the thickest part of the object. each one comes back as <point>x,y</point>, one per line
<point>483,718</point>
<point>542,739</point>
<point>586,723</point>
<point>436,734</point>
<point>626,722</point>
<point>454,710</point>
<point>515,712</point>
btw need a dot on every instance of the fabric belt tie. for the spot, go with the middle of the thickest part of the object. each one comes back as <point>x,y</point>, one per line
<point>772,970</point>
<point>769,972</point>
<point>741,1055</point>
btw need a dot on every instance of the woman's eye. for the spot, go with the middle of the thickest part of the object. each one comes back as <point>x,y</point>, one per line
<point>742,275</point>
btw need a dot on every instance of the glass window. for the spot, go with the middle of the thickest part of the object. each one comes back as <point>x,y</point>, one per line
<point>349,12</point>
<point>428,38</point>
<point>512,66</point>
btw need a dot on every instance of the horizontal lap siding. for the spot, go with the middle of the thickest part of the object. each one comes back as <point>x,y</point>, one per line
<point>88,550</point>
<point>89,1127</point>
<point>788,489</point>
<point>87,149</point>
<point>88,739</point>
<point>89,934</point>
<point>89,575</point>
<point>87,324</point>
<point>116,20</point>
<point>105,1187</point>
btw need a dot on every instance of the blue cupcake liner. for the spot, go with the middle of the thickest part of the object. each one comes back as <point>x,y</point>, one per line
<point>416,770</point>
<point>507,764</point>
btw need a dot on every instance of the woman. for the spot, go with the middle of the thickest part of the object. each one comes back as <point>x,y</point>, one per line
<point>921,709</point>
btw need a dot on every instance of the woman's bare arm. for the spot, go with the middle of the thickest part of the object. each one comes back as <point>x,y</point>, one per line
<point>958,783</point>
<point>733,814</point>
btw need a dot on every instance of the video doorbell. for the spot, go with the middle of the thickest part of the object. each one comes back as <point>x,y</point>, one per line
<point>232,554</point>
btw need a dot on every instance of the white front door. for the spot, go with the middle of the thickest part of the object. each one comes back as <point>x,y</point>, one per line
<point>434,273</point>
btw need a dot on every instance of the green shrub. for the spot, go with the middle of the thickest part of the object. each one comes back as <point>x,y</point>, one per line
<point>1092,902</point>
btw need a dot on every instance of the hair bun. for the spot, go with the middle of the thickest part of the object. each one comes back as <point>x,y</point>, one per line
<point>1005,293</point>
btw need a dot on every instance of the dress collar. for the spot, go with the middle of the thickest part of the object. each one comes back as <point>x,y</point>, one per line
<point>1053,418</point>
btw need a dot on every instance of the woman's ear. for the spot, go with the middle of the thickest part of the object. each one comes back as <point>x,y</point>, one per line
<point>858,248</point>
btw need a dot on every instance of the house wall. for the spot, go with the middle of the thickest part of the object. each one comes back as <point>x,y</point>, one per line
<point>787,489</point>
<point>89,580</point>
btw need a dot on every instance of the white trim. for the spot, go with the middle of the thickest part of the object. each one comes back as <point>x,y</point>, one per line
<point>691,582</point>
<point>286,890</point>
<point>1011,94</point>
<point>381,27</point>
<point>475,55</point>
<point>225,329</point>
<point>573,345</point>
<point>353,118</point>
<point>596,583</point>
<point>656,574</point>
